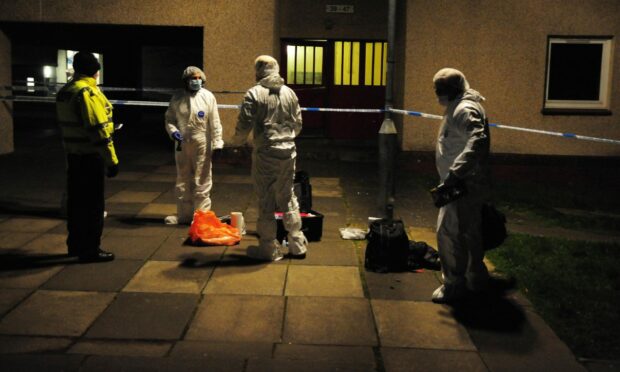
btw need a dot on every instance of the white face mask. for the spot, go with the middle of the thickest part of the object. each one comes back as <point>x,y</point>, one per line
<point>195,84</point>
<point>443,100</point>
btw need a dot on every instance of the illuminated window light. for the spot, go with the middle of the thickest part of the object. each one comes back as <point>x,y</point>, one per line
<point>30,84</point>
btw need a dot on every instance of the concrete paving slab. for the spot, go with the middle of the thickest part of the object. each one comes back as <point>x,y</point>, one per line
<point>237,254</point>
<point>174,249</point>
<point>19,224</point>
<point>530,345</point>
<point>12,240</point>
<point>28,278</point>
<point>305,366</point>
<point>102,276</point>
<point>25,344</point>
<point>41,362</point>
<point>157,210</point>
<point>151,186</point>
<point>406,286</point>
<point>55,313</point>
<point>122,210</point>
<point>168,277</point>
<point>422,360</point>
<point>330,281</point>
<point>332,353</point>
<point>331,229</point>
<point>423,234</point>
<point>145,316</point>
<point>233,350</point>
<point>329,253</point>
<point>329,321</point>
<point>140,229</point>
<point>233,318</point>
<point>233,178</point>
<point>126,348</point>
<point>262,279</point>
<point>166,169</point>
<point>47,244</point>
<point>132,247</point>
<point>129,176</point>
<point>133,197</point>
<point>161,178</point>
<point>168,197</point>
<point>327,191</point>
<point>127,364</point>
<point>419,325</point>
<point>9,297</point>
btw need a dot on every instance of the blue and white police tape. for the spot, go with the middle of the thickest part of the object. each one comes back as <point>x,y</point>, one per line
<point>324,109</point>
<point>528,130</point>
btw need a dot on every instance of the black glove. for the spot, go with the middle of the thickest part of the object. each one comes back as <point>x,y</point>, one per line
<point>112,171</point>
<point>216,154</point>
<point>452,180</point>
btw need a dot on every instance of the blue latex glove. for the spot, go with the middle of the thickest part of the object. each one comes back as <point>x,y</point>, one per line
<point>177,136</point>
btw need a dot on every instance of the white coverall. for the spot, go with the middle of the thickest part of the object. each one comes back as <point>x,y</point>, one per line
<point>272,110</point>
<point>196,117</point>
<point>463,149</point>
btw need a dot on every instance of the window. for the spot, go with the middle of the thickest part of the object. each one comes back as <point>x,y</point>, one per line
<point>376,63</point>
<point>349,62</point>
<point>30,84</point>
<point>304,64</point>
<point>578,78</point>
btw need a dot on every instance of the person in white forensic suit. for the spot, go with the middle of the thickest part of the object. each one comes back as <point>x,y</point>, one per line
<point>271,110</point>
<point>461,156</point>
<point>193,123</point>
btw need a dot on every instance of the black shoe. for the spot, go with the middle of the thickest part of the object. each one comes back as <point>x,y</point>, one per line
<point>297,256</point>
<point>99,256</point>
<point>71,253</point>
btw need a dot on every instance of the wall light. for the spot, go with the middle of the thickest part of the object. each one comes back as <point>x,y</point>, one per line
<point>47,72</point>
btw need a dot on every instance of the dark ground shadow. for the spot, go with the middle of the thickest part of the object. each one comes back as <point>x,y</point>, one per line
<point>16,260</point>
<point>198,260</point>
<point>492,310</point>
<point>22,209</point>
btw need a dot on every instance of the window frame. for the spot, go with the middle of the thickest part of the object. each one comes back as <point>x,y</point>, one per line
<point>582,107</point>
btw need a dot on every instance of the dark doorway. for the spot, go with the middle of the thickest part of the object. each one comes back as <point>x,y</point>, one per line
<point>139,63</point>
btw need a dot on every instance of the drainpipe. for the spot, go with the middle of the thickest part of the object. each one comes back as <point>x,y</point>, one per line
<point>388,136</point>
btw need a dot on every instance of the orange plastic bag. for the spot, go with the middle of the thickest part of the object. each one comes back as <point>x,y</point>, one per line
<point>208,229</point>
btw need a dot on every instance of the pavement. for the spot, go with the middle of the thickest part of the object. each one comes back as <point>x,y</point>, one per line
<point>164,305</point>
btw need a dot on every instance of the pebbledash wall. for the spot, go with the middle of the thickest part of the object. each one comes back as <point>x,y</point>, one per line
<point>500,46</point>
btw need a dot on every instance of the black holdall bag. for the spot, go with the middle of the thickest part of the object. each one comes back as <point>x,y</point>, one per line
<point>303,190</point>
<point>493,227</point>
<point>388,246</point>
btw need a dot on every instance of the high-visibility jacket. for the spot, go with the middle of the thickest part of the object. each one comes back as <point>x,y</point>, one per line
<point>84,115</point>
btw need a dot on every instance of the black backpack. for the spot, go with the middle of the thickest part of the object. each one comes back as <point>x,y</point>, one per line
<point>422,256</point>
<point>388,246</point>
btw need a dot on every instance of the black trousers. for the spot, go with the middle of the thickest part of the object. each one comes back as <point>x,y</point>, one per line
<point>85,203</point>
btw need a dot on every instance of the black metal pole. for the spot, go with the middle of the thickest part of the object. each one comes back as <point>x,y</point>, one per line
<point>388,136</point>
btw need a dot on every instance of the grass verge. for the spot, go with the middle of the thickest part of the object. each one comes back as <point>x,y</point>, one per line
<point>574,286</point>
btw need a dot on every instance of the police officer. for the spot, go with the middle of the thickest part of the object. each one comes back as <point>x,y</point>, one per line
<point>84,115</point>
